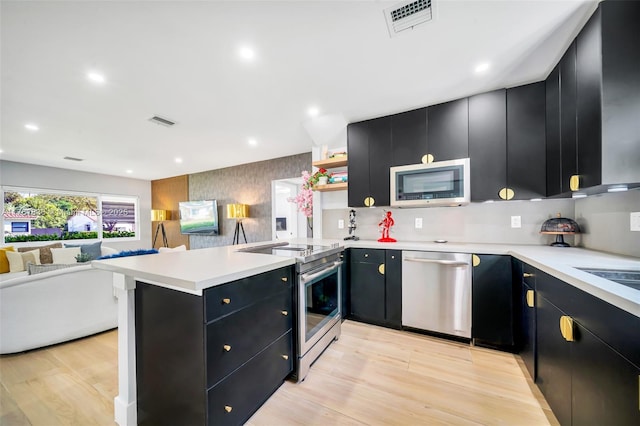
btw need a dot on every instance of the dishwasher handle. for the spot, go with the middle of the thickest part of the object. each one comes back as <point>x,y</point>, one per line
<point>437,261</point>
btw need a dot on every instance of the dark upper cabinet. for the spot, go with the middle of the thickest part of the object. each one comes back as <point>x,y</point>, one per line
<point>592,104</point>
<point>608,91</point>
<point>409,137</point>
<point>552,118</point>
<point>526,165</point>
<point>448,130</point>
<point>488,144</point>
<point>369,147</point>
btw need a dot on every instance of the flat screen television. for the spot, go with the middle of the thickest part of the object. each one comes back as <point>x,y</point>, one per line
<point>199,217</point>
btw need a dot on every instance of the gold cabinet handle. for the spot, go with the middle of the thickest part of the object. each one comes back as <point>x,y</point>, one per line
<point>226,301</point>
<point>506,193</point>
<point>530,298</point>
<point>475,260</point>
<point>285,313</point>
<point>228,408</point>
<point>285,357</point>
<point>427,158</point>
<point>527,275</point>
<point>284,279</point>
<point>574,182</point>
<point>566,328</point>
<point>226,348</point>
<point>369,201</point>
<point>381,269</point>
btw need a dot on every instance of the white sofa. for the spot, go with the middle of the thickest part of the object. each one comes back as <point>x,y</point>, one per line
<point>56,306</point>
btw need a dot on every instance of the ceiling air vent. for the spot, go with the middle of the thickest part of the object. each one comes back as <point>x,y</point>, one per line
<point>163,121</point>
<point>73,159</point>
<point>407,15</point>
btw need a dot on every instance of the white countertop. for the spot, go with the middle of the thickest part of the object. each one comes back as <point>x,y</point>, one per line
<point>194,270</point>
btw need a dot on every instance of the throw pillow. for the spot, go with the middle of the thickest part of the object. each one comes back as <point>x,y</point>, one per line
<point>4,262</point>
<point>45,251</point>
<point>38,269</point>
<point>18,261</point>
<point>94,249</point>
<point>65,255</point>
<point>167,249</point>
<point>128,253</point>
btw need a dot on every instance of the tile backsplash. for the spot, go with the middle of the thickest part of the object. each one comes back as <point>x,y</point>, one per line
<point>604,219</point>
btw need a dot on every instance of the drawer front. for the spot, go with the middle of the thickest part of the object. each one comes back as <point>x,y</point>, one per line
<point>367,255</point>
<point>237,397</point>
<point>236,338</point>
<point>228,298</point>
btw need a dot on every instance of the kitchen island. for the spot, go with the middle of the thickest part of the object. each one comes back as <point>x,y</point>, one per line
<point>194,272</point>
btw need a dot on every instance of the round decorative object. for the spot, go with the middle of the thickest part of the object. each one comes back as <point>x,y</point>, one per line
<point>560,226</point>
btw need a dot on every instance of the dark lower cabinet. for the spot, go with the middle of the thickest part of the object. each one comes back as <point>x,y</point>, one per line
<point>375,281</point>
<point>212,359</point>
<point>528,320</point>
<point>554,360</point>
<point>586,369</point>
<point>493,302</point>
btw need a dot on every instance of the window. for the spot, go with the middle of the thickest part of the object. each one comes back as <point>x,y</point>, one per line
<point>43,215</point>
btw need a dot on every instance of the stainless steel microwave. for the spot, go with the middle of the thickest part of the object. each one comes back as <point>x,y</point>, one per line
<point>443,183</point>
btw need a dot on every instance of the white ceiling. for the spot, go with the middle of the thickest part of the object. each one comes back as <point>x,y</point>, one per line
<point>179,60</point>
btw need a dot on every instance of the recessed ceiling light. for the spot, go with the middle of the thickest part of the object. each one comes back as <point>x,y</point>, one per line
<point>129,171</point>
<point>247,53</point>
<point>482,67</point>
<point>96,77</point>
<point>313,111</point>
<point>32,127</point>
<point>252,142</point>
<point>178,160</point>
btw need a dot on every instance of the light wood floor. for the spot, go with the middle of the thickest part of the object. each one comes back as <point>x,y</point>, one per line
<point>372,376</point>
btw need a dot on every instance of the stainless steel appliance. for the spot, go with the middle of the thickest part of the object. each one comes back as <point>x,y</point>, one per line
<point>318,297</point>
<point>443,183</point>
<point>436,292</point>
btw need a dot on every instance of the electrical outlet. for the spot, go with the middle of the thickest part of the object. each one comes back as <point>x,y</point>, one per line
<point>516,221</point>
<point>635,221</point>
<point>340,224</point>
<point>418,223</point>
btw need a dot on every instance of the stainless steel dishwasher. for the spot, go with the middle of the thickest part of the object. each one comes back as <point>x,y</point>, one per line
<point>436,292</point>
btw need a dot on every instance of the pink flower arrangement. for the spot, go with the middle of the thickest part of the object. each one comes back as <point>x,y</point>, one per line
<point>304,199</point>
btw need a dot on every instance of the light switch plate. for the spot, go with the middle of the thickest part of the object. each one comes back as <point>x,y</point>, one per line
<point>418,223</point>
<point>516,221</point>
<point>635,221</point>
<point>340,224</point>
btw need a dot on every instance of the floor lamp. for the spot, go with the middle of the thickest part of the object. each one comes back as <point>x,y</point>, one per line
<point>238,212</point>
<point>160,216</point>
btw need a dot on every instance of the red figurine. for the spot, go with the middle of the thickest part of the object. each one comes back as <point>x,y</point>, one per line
<point>386,224</point>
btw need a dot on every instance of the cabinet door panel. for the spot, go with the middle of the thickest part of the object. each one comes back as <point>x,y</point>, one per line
<point>409,137</point>
<point>605,386</point>
<point>554,360</point>
<point>448,130</point>
<point>526,165</point>
<point>358,148</point>
<point>393,289</point>
<point>379,160</point>
<point>367,292</point>
<point>553,159</point>
<point>492,302</point>
<point>568,114</point>
<point>528,351</point>
<point>488,144</point>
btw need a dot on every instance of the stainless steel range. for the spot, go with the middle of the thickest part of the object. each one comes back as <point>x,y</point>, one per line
<point>318,295</point>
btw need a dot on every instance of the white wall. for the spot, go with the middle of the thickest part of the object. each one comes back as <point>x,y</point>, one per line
<point>41,177</point>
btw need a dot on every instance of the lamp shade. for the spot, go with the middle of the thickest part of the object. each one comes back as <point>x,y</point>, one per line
<point>157,215</point>
<point>237,211</point>
<point>560,226</point>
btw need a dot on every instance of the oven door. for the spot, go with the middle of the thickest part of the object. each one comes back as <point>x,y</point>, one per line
<point>319,304</point>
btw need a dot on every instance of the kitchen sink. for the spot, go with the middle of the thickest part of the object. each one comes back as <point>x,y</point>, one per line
<point>628,278</point>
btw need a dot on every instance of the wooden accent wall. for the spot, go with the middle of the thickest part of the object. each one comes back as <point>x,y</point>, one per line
<point>165,195</point>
